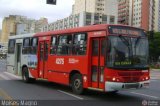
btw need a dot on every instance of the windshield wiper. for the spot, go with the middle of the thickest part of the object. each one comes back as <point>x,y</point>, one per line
<point>138,39</point>
<point>125,41</point>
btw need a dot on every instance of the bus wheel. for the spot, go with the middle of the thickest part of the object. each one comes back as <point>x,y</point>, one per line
<point>77,84</point>
<point>25,76</point>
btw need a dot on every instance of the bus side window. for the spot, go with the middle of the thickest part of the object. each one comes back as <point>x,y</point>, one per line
<point>26,46</point>
<point>53,46</point>
<point>34,45</point>
<point>79,44</point>
<point>65,45</point>
<point>11,46</point>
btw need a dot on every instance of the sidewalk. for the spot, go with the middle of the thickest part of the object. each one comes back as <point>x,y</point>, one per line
<point>155,69</point>
<point>9,76</point>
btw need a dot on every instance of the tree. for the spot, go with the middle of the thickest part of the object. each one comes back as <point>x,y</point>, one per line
<point>154,47</point>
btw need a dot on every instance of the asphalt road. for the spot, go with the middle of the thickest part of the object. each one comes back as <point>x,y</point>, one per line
<point>49,94</point>
<point>2,65</point>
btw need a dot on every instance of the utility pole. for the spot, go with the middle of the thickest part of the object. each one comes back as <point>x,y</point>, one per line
<point>85,6</point>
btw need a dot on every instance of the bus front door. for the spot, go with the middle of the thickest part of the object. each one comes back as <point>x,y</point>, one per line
<point>43,58</point>
<point>97,63</point>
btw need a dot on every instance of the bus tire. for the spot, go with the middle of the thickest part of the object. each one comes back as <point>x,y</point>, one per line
<point>77,84</point>
<point>112,92</point>
<point>25,76</point>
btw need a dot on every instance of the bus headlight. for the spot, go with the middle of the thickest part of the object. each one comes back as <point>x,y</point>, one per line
<point>147,78</point>
<point>113,79</point>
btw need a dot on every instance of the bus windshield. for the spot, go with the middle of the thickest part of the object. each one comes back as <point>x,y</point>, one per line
<point>127,52</point>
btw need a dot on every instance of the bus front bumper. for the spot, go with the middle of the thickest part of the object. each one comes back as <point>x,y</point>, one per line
<point>113,86</point>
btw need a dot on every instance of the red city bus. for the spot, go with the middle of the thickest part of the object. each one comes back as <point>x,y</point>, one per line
<point>103,57</point>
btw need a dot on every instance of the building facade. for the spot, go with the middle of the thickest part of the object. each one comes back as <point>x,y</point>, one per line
<point>137,13</point>
<point>125,12</point>
<point>108,7</point>
<point>8,28</point>
<point>0,33</point>
<point>87,12</point>
<point>101,7</point>
<point>79,20</point>
<point>15,24</point>
<point>92,6</point>
<point>157,16</point>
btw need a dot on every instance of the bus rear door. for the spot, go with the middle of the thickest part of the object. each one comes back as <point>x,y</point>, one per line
<point>43,58</point>
<point>97,62</point>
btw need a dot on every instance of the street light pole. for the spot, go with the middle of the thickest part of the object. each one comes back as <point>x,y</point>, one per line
<point>85,6</point>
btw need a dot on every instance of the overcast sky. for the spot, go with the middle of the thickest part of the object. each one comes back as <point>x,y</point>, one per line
<point>35,9</point>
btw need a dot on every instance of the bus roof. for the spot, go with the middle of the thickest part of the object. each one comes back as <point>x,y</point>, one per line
<point>79,29</point>
<point>75,30</point>
<point>21,36</point>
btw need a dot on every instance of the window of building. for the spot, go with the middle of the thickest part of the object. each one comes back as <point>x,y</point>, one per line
<point>96,17</point>
<point>104,18</point>
<point>11,46</point>
<point>112,19</point>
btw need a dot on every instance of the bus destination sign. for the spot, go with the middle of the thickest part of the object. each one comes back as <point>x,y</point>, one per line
<point>124,30</point>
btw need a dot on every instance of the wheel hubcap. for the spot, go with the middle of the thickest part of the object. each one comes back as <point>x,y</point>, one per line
<point>77,83</point>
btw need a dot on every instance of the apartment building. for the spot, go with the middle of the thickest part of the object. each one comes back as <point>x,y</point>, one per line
<point>79,20</point>
<point>101,7</point>
<point>15,24</point>
<point>8,28</point>
<point>137,13</point>
<point>92,6</point>
<point>108,7</point>
<point>87,12</point>
<point>125,12</point>
<point>157,16</point>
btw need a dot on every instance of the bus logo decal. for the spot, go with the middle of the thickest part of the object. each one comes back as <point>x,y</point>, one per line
<point>73,61</point>
<point>59,60</point>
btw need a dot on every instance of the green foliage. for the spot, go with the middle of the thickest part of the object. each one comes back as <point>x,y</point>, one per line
<point>154,47</point>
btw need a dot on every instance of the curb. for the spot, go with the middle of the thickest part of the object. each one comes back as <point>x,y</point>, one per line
<point>155,69</point>
<point>13,75</point>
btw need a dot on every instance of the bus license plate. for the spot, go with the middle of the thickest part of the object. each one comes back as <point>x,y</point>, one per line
<point>128,86</point>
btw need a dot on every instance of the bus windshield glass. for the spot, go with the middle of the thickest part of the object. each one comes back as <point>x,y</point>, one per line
<point>126,52</point>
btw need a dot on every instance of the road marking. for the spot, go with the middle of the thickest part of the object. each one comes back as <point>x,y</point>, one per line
<point>155,97</point>
<point>153,80</point>
<point>70,94</point>
<point>5,95</point>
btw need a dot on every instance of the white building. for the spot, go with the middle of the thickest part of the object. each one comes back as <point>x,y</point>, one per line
<point>88,12</point>
<point>109,7</point>
<point>157,16</point>
<point>79,20</point>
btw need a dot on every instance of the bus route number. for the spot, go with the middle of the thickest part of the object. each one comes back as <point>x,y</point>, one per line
<point>59,60</point>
